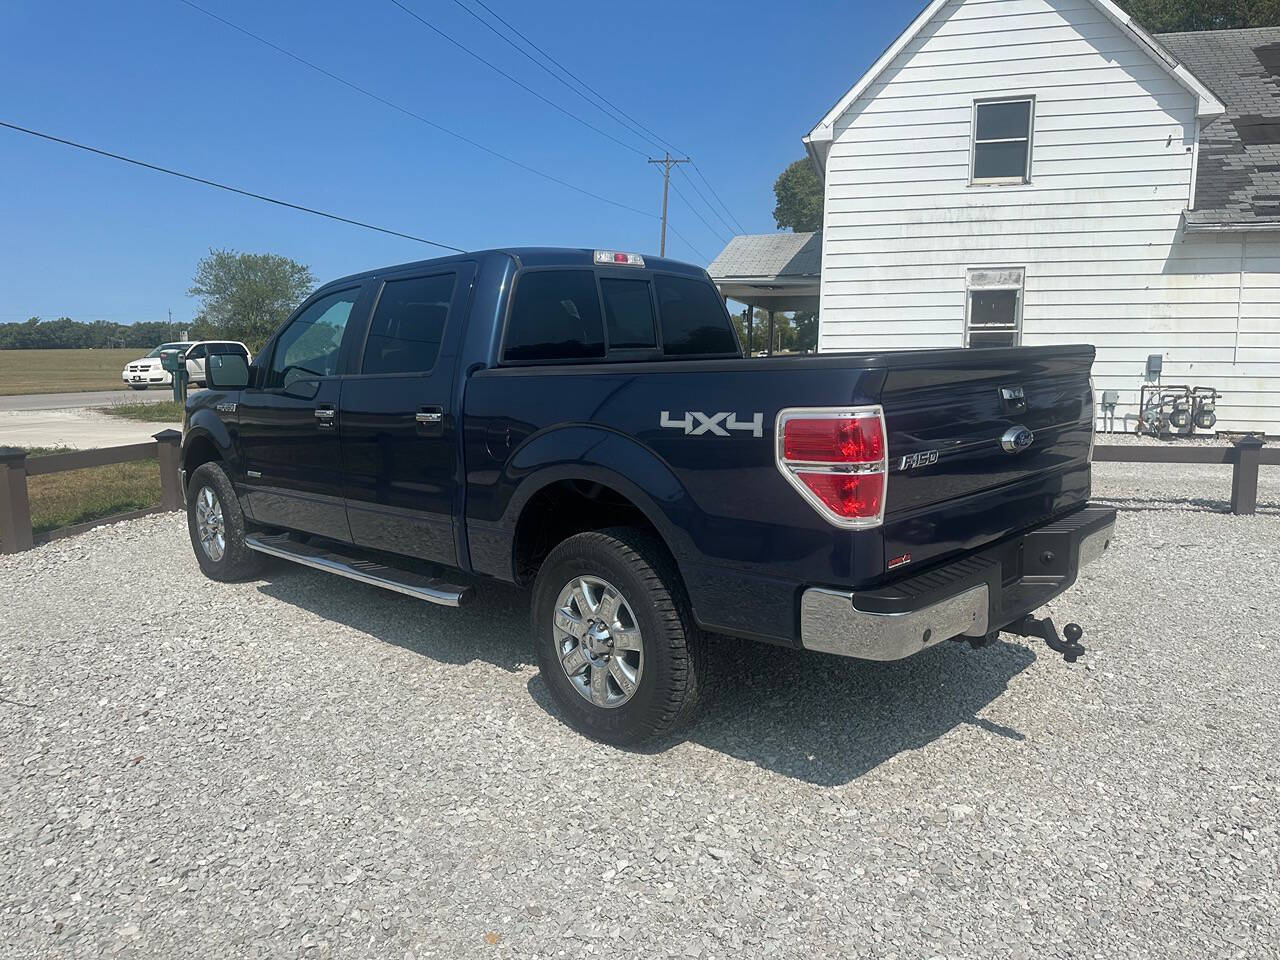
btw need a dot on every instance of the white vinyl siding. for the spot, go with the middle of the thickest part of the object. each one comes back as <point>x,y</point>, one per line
<point>1098,229</point>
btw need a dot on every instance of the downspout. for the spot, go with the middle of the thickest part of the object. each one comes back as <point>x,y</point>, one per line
<point>1244,247</point>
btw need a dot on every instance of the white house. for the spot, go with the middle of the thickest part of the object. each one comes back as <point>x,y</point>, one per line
<point>1042,171</point>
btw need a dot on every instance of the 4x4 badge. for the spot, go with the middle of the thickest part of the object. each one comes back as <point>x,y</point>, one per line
<point>695,424</point>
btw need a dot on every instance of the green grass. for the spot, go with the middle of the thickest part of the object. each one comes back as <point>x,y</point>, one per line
<point>166,411</point>
<point>91,493</point>
<point>63,371</point>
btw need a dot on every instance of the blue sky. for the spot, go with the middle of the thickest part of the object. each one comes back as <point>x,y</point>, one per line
<point>736,85</point>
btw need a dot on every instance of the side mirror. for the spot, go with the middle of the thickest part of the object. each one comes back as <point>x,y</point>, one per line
<point>226,371</point>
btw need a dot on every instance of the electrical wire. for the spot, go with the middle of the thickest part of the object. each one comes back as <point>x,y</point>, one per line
<point>223,186</point>
<point>417,116</point>
<point>523,86</point>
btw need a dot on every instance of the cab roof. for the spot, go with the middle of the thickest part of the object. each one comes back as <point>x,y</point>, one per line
<point>530,257</point>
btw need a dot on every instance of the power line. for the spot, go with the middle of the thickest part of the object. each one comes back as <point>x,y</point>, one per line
<point>710,206</point>
<point>698,171</point>
<point>638,131</point>
<point>620,115</point>
<point>417,116</point>
<point>714,232</point>
<point>575,77</point>
<point>492,66</point>
<point>222,186</point>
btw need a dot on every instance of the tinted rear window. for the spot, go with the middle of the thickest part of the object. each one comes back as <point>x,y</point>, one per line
<point>555,316</point>
<point>408,325</point>
<point>628,311</point>
<point>694,320</point>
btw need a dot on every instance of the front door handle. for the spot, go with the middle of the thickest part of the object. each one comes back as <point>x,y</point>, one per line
<point>325,415</point>
<point>430,420</point>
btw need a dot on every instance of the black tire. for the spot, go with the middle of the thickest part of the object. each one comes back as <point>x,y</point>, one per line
<point>137,386</point>
<point>236,562</point>
<point>673,650</point>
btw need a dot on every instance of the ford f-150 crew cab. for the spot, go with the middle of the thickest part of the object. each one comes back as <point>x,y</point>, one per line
<point>583,422</point>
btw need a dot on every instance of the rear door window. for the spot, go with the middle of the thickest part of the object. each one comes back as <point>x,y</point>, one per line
<point>694,319</point>
<point>555,316</point>
<point>408,325</point>
<point>628,314</point>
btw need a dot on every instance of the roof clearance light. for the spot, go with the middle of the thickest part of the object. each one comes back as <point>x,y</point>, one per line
<point>619,259</point>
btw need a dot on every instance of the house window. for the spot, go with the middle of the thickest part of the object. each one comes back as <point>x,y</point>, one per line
<point>1002,141</point>
<point>994,317</point>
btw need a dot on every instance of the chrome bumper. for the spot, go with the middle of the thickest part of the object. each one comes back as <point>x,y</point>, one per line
<point>830,621</point>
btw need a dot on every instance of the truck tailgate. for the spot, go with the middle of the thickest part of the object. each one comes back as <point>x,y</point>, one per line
<point>982,444</point>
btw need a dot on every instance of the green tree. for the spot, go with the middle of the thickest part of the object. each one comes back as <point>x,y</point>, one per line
<point>799,198</point>
<point>1171,16</point>
<point>245,296</point>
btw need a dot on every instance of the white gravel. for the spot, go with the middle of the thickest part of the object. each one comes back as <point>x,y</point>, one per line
<point>307,767</point>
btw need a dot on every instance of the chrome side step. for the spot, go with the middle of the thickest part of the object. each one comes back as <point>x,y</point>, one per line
<point>431,589</point>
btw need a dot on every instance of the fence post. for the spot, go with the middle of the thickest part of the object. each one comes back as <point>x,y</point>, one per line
<point>1244,476</point>
<point>15,508</point>
<point>169,444</point>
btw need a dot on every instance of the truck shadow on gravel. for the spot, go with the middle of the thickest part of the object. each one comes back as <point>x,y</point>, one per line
<point>493,628</point>
<point>818,718</point>
<point>827,720</point>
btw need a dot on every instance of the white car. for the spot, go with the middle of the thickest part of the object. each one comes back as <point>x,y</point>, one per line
<point>149,372</point>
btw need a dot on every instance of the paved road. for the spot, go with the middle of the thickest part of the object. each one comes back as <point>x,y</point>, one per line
<point>78,428</point>
<point>93,398</point>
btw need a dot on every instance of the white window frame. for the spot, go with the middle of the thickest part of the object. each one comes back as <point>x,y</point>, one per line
<point>982,279</point>
<point>976,181</point>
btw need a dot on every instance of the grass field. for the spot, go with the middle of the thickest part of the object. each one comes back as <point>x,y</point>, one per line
<point>63,371</point>
<point>78,496</point>
<point>163,411</point>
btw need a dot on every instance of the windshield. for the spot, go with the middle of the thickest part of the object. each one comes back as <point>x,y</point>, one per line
<point>167,346</point>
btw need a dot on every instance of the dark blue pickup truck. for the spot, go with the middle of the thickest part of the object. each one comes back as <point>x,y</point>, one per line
<point>583,422</point>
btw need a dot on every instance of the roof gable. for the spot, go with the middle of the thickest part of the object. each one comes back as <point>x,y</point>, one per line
<point>820,137</point>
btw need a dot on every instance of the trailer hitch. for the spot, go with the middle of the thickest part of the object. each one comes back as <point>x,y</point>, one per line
<point>1071,648</point>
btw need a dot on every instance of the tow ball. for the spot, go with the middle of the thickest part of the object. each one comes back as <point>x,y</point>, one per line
<point>1071,648</point>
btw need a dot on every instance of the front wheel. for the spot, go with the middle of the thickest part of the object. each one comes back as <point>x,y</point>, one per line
<point>616,644</point>
<point>216,524</point>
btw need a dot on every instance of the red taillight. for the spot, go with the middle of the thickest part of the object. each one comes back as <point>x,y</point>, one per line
<point>847,494</point>
<point>837,460</point>
<point>831,440</point>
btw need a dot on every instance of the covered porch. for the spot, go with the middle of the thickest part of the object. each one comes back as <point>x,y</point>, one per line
<point>773,272</point>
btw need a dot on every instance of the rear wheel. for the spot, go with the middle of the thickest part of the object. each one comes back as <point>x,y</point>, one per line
<point>616,644</point>
<point>217,528</point>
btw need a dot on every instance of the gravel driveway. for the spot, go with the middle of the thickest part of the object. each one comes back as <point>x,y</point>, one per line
<point>307,767</point>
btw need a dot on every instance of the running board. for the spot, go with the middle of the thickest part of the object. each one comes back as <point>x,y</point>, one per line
<point>431,589</point>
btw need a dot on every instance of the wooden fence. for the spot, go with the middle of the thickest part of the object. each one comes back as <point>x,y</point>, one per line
<point>16,466</point>
<point>1245,457</point>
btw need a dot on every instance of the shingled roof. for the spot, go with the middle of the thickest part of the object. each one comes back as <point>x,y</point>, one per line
<point>1238,184</point>
<point>769,255</point>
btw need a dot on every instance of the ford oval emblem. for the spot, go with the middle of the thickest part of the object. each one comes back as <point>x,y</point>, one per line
<point>1017,439</point>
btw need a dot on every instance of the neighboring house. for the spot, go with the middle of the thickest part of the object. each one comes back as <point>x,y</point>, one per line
<point>771,272</point>
<point>1043,171</point>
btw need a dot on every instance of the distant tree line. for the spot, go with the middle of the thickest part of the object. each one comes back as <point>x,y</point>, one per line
<point>243,296</point>
<point>67,334</point>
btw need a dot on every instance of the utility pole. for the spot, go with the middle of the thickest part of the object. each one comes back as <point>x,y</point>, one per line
<point>667,162</point>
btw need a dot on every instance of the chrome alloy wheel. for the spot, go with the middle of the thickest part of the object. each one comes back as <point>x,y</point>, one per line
<point>209,525</point>
<point>598,641</point>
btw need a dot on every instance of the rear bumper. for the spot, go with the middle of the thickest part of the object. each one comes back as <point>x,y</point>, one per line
<point>973,596</point>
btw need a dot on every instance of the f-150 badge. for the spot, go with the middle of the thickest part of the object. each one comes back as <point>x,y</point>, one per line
<point>695,424</point>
